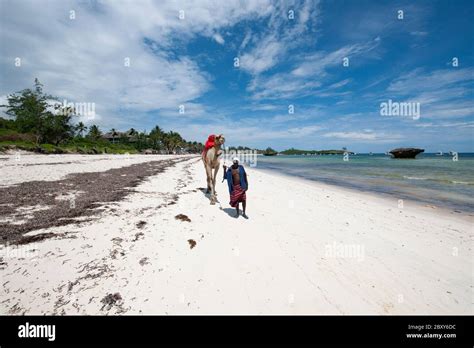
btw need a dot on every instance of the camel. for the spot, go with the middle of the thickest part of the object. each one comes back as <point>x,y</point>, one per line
<point>211,161</point>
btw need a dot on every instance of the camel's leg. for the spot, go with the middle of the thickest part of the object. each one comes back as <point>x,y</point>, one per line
<point>208,175</point>
<point>209,181</point>
<point>213,193</point>
<point>216,169</point>
<point>213,186</point>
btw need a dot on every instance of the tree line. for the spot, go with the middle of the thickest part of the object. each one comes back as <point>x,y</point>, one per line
<point>37,113</point>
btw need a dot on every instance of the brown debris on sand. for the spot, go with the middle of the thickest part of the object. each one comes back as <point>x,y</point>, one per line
<point>137,236</point>
<point>96,189</point>
<point>182,217</point>
<point>111,300</point>
<point>36,238</point>
<point>192,243</point>
<point>140,224</point>
<point>143,261</point>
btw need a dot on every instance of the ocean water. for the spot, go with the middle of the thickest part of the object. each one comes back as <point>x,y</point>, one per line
<point>431,179</point>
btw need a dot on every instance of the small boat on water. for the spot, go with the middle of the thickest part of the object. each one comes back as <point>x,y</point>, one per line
<point>440,153</point>
<point>406,152</point>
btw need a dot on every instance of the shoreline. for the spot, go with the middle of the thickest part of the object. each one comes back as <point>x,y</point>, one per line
<point>307,248</point>
<point>447,210</point>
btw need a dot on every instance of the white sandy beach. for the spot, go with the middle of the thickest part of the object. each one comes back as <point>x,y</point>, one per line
<point>307,248</point>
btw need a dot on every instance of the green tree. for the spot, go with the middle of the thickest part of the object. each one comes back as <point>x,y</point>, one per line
<point>141,140</point>
<point>269,151</point>
<point>114,133</point>
<point>171,141</point>
<point>94,132</point>
<point>7,123</point>
<point>80,128</point>
<point>156,138</point>
<point>32,110</point>
<point>130,136</point>
<point>58,128</point>
<point>194,147</point>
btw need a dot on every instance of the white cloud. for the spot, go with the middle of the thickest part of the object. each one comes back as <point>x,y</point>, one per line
<point>263,57</point>
<point>308,75</point>
<point>364,136</point>
<point>351,135</point>
<point>282,35</point>
<point>186,110</point>
<point>419,33</point>
<point>219,39</point>
<point>441,93</point>
<point>451,110</point>
<point>82,59</point>
<point>262,107</point>
<point>319,62</point>
<point>339,84</point>
<point>468,124</point>
<point>246,40</point>
<point>250,133</point>
<point>418,80</point>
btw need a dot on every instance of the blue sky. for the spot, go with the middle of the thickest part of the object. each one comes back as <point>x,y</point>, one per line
<point>282,61</point>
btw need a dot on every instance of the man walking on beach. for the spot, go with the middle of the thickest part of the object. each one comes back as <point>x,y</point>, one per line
<point>238,185</point>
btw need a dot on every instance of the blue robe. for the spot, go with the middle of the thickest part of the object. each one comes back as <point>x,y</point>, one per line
<point>243,178</point>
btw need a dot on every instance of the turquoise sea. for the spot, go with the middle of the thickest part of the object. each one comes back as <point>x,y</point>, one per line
<point>430,178</point>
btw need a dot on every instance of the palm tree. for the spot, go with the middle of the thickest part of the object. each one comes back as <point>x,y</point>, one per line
<point>132,134</point>
<point>94,132</point>
<point>114,134</point>
<point>140,140</point>
<point>81,128</point>
<point>156,136</point>
<point>172,140</point>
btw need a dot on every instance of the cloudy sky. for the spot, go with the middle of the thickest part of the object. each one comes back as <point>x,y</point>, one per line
<point>330,62</point>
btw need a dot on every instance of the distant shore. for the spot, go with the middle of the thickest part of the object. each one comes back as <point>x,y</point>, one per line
<point>160,248</point>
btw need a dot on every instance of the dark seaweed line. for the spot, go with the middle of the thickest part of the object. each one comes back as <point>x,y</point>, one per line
<point>97,190</point>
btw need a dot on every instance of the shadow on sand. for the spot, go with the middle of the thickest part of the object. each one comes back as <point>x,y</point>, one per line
<point>208,195</point>
<point>229,211</point>
<point>203,190</point>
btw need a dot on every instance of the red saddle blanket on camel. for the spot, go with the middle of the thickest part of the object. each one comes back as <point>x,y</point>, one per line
<point>209,143</point>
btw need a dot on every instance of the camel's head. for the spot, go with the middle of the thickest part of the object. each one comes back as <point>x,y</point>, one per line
<point>220,140</point>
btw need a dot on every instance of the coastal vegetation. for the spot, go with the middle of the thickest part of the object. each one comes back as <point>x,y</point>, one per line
<point>38,122</point>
